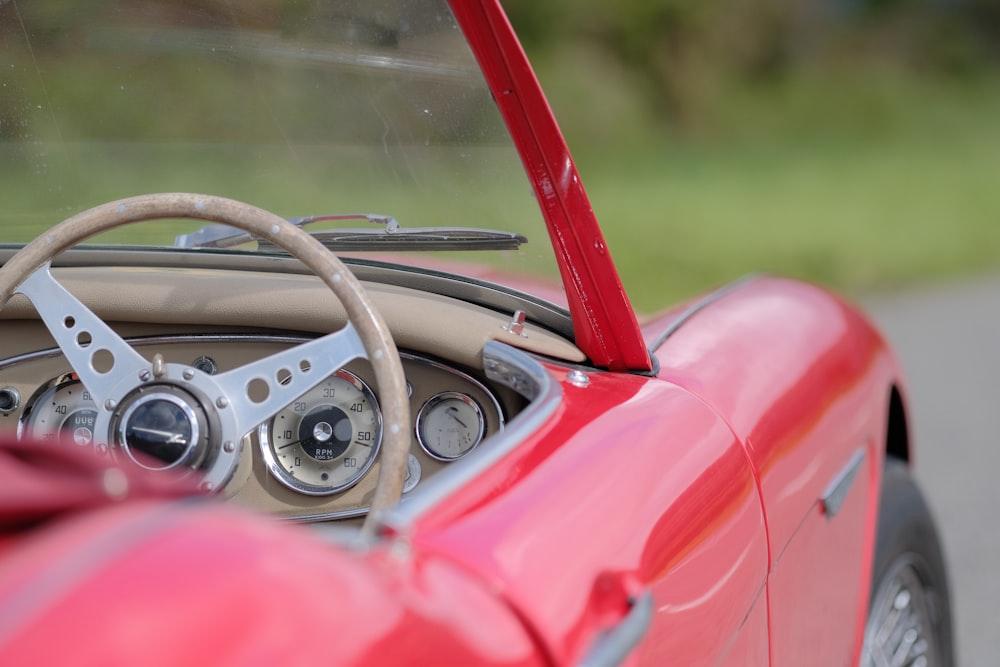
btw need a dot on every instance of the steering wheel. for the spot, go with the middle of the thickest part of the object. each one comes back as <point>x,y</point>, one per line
<point>215,411</point>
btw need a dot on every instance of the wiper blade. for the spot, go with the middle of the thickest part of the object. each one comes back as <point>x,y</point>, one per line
<point>412,239</point>
<point>392,237</point>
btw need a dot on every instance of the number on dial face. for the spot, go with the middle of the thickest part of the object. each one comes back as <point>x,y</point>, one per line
<point>62,411</point>
<point>326,440</point>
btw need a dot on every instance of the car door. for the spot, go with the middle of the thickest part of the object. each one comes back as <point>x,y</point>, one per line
<point>634,490</point>
<point>805,383</point>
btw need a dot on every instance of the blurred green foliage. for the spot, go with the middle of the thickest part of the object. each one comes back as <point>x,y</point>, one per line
<point>850,142</point>
<point>677,51</point>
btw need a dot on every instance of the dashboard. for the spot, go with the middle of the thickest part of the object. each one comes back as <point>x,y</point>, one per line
<point>316,459</point>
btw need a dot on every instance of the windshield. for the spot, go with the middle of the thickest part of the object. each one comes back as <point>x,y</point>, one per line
<point>321,108</point>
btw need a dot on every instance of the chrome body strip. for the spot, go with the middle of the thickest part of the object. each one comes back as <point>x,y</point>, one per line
<point>835,494</point>
<point>522,373</point>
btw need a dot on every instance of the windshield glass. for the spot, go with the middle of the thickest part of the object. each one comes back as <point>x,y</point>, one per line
<point>329,107</point>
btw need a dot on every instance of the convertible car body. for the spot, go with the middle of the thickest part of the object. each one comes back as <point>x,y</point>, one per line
<point>434,431</point>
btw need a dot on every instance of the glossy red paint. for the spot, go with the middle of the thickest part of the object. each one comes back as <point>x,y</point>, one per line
<point>197,583</point>
<point>634,484</point>
<point>605,324</point>
<point>727,464</point>
<point>810,392</point>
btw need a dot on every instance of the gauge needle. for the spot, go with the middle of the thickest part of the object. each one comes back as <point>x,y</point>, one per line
<point>292,444</point>
<point>171,437</point>
<point>452,412</point>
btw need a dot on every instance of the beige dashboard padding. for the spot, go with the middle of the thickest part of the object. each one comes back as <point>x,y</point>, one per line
<point>372,330</point>
<point>182,297</point>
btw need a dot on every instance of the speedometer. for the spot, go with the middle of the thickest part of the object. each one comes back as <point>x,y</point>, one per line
<point>61,409</point>
<point>327,439</point>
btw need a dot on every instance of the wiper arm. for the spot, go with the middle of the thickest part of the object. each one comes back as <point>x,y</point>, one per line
<point>224,236</point>
<point>392,237</point>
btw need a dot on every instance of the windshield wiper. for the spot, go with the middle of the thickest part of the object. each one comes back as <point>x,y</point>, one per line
<point>392,237</point>
<point>224,236</point>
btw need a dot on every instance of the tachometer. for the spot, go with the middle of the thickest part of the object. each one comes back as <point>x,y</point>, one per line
<point>327,439</point>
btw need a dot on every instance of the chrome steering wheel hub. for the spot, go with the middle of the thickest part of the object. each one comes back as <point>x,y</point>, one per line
<point>161,430</point>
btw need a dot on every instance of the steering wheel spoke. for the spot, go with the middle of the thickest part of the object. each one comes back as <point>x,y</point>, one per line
<point>211,413</point>
<point>258,390</point>
<point>98,355</point>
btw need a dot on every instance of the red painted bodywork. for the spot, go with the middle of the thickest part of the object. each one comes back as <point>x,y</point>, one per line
<point>701,483</point>
<point>186,584</point>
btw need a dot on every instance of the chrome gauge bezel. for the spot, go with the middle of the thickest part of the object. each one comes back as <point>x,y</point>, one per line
<point>35,411</point>
<point>189,441</point>
<point>279,472</point>
<point>431,409</point>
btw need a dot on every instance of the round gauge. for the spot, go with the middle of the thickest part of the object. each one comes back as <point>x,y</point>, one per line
<point>450,425</point>
<point>327,439</point>
<point>62,409</point>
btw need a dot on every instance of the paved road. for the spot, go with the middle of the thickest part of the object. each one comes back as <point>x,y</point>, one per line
<point>948,338</point>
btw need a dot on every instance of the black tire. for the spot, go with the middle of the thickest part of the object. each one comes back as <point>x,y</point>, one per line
<point>909,614</point>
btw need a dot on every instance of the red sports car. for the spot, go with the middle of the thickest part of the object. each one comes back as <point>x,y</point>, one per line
<point>409,416</point>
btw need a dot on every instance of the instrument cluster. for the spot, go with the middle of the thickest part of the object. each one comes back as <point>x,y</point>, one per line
<point>318,447</point>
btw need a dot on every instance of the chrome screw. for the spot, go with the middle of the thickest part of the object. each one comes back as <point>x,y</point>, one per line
<point>578,378</point>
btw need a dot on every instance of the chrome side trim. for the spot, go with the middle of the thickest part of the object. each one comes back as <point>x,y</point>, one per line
<point>523,374</point>
<point>835,495</point>
<point>697,307</point>
<point>513,368</point>
<point>613,646</point>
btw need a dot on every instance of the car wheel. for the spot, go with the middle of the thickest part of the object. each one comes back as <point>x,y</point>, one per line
<point>909,614</point>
